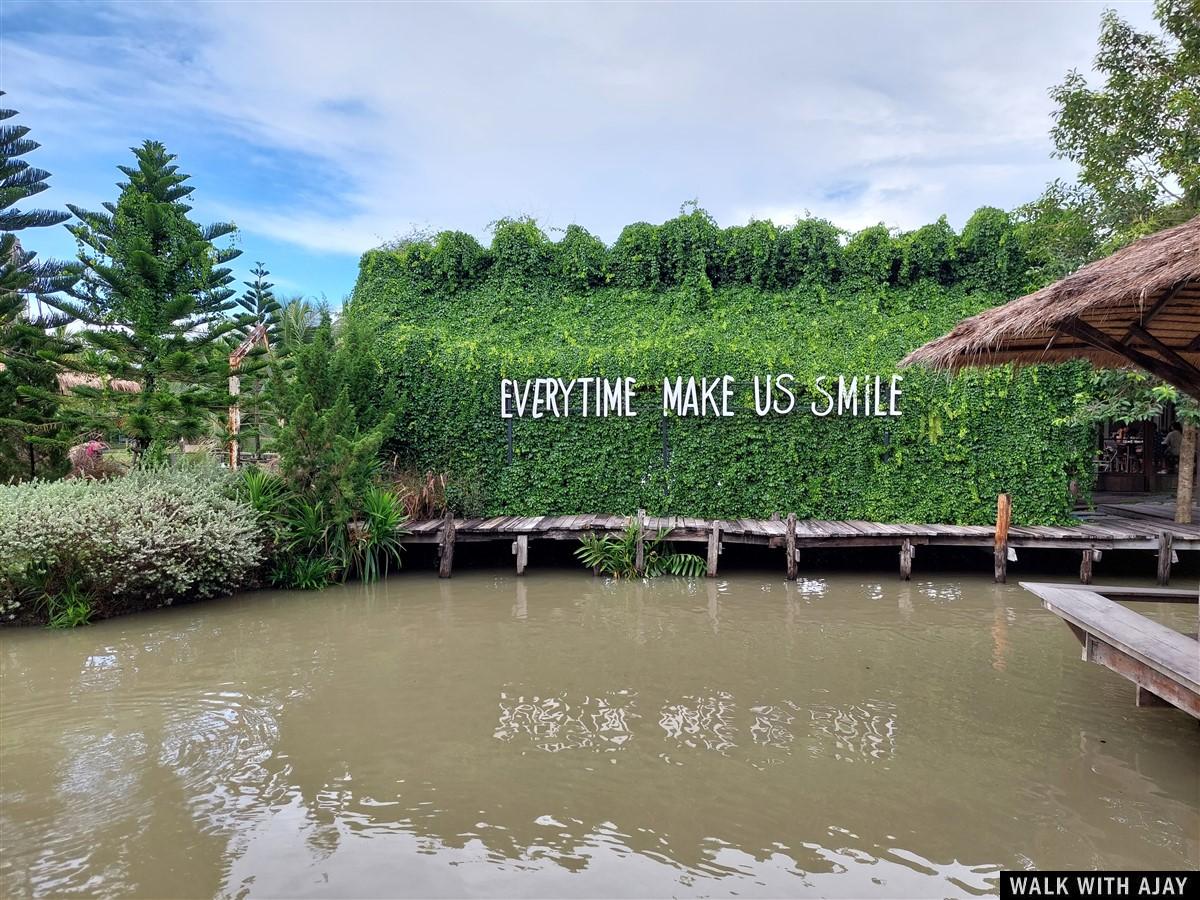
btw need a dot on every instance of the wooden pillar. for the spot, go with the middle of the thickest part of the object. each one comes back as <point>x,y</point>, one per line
<point>235,421</point>
<point>906,558</point>
<point>790,547</point>
<point>446,549</point>
<point>714,548</point>
<point>520,548</point>
<point>1165,540</point>
<point>1003,518</point>
<point>639,561</point>
<point>1145,697</point>
<point>1185,490</point>
<point>1085,566</point>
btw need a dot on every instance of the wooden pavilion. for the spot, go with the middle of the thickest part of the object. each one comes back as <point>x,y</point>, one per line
<point>1138,307</point>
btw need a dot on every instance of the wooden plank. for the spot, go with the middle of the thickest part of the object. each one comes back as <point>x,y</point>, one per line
<point>1142,639</point>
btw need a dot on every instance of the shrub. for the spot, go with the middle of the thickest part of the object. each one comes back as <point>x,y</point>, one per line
<point>150,538</point>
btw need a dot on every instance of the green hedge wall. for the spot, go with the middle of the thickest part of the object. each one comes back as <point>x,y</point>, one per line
<point>448,319</point>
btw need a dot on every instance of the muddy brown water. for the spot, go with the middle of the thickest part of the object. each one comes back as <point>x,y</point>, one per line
<point>559,735</point>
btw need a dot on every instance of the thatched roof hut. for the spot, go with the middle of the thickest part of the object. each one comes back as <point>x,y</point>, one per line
<point>1138,307</point>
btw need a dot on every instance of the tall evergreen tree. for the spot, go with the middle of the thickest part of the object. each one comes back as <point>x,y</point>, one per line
<point>28,441</point>
<point>154,300</point>
<point>261,313</point>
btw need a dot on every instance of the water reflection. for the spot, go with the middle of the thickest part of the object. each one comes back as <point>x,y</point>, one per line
<point>498,735</point>
<point>553,724</point>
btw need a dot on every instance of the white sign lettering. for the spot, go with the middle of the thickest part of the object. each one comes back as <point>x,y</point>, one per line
<point>712,397</point>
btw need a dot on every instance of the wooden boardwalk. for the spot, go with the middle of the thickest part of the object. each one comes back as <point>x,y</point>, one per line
<point>1162,662</point>
<point>1090,537</point>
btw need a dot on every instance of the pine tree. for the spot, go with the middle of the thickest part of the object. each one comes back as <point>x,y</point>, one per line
<point>155,302</point>
<point>262,330</point>
<point>324,453</point>
<point>28,440</point>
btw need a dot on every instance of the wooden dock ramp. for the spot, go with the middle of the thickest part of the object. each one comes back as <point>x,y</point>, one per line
<point>1162,662</point>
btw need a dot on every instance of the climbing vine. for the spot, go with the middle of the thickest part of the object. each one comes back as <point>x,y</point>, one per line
<point>450,319</point>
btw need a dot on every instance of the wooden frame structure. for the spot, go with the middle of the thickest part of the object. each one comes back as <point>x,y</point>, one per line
<point>257,337</point>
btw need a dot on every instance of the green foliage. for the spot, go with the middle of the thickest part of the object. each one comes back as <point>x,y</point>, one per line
<point>69,608</point>
<point>154,302</point>
<point>581,259</point>
<point>616,555</point>
<point>306,548</point>
<point>872,255</point>
<point>833,311</point>
<point>323,453</point>
<point>1137,142</point>
<point>152,537</point>
<point>375,544</point>
<point>1130,395</point>
<point>1135,138</point>
<point>28,401</point>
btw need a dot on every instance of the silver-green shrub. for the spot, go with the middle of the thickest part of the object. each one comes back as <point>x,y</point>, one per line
<point>146,539</point>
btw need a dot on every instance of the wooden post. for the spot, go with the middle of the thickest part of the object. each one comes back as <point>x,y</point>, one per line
<point>639,562</point>
<point>520,547</point>
<point>235,421</point>
<point>790,547</point>
<point>1003,518</point>
<point>1185,488</point>
<point>1165,540</point>
<point>446,550</point>
<point>714,548</point>
<point>906,558</point>
<point>1085,566</point>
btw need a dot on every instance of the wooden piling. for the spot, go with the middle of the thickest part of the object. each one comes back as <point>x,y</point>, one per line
<point>639,562</point>
<point>446,548</point>
<point>714,549</point>
<point>1085,566</point>
<point>790,547</point>
<point>1165,539</point>
<point>520,549</point>
<point>906,558</point>
<point>1003,519</point>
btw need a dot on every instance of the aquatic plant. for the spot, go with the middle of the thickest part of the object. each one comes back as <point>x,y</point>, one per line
<point>616,555</point>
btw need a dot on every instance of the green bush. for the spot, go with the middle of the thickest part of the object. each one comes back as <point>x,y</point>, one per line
<point>686,298</point>
<point>149,538</point>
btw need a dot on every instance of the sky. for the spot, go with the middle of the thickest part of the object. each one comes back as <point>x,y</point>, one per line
<point>322,130</point>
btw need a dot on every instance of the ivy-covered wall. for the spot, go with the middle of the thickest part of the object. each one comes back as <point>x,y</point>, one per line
<point>448,319</point>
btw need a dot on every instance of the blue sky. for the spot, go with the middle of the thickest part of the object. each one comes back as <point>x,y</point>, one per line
<point>322,130</point>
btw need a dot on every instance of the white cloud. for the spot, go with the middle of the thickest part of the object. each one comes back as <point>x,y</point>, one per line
<point>455,115</point>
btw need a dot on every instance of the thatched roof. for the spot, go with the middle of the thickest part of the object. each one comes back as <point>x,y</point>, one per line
<point>1140,306</point>
<point>68,381</point>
